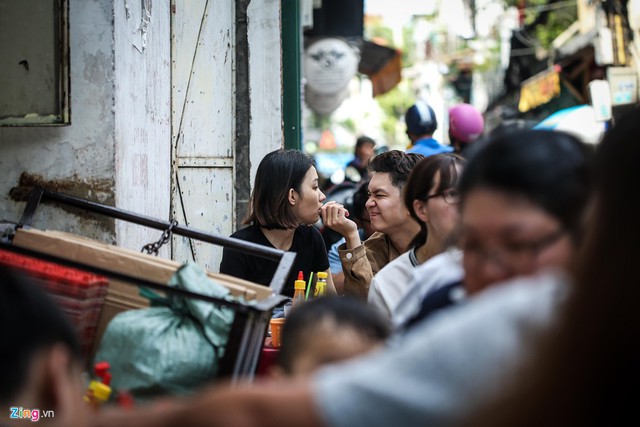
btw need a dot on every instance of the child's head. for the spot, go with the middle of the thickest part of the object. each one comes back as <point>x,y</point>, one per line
<point>40,363</point>
<point>329,329</point>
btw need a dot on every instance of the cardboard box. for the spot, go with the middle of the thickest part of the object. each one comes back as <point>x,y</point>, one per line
<point>122,260</point>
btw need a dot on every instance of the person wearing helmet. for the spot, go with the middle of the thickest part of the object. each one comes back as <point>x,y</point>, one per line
<point>465,126</point>
<point>421,124</point>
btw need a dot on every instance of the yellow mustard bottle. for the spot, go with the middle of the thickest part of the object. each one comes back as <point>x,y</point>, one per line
<point>321,285</point>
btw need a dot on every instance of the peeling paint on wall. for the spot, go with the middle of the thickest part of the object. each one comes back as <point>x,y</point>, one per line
<point>81,155</point>
<point>145,21</point>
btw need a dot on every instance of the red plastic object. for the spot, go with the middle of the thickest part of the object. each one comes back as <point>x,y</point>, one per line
<point>78,293</point>
<point>102,371</point>
<point>106,378</point>
<point>101,368</point>
<point>268,358</point>
<point>59,279</point>
<point>125,400</point>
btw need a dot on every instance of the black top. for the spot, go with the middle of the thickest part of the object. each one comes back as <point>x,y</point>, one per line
<point>311,255</point>
<point>355,171</point>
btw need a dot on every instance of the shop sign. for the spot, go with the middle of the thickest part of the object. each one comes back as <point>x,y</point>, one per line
<point>539,89</point>
<point>624,85</point>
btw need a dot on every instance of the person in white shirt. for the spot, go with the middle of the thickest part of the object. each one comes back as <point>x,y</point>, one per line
<point>431,197</point>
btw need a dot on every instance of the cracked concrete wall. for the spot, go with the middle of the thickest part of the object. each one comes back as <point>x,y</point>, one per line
<point>78,159</point>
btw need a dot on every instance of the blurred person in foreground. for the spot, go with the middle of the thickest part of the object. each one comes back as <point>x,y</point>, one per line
<point>522,202</point>
<point>466,125</point>
<point>435,373</point>
<point>328,330</point>
<point>586,370</point>
<point>40,363</point>
<point>421,124</point>
<point>394,226</point>
<point>356,169</point>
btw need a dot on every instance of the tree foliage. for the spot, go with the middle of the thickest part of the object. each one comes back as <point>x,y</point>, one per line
<point>409,46</point>
<point>547,19</point>
<point>394,104</point>
<point>377,30</point>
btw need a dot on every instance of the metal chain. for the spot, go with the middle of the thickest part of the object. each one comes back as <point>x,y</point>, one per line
<point>153,248</point>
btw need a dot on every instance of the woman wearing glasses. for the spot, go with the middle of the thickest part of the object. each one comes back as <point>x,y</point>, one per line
<point>584,371</point>
<point>523,197</point>
<point>431,197</point>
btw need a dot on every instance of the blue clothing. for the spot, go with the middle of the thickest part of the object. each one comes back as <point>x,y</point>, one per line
<point>444,297</point>
<point>429,147</point>
<point>334,257</point>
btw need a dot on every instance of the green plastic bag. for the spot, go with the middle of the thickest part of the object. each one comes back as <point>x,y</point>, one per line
<point>174,346</point>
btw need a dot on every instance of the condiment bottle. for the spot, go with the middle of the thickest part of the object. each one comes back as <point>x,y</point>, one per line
<point>298,293</point>
<point>321,285</point>
<point>99,392</point>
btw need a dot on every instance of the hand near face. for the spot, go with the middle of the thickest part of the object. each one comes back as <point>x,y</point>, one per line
<point>336,217</point>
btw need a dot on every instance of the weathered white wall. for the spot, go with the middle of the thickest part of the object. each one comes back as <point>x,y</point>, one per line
<point>203,109</point>
<point>118,149</point>
<point>265,80</point>
<point>142,116</point>
<point>79,158</point>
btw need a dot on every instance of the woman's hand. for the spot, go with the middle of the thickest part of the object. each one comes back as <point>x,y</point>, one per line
<point>336,217</point>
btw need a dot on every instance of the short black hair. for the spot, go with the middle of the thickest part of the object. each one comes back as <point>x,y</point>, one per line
<point>364,140</point>
<point>29,321</point>
<point>551,169</point>
<point>397,164</point>
<point>278,172</point>
<point>359,200</point>
<point>348,312</point>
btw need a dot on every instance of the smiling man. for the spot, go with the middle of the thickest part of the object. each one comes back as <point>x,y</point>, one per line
<point>394,226</point>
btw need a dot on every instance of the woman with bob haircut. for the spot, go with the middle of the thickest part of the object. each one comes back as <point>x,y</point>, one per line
<point>285,203</point>
<point>431,197</point>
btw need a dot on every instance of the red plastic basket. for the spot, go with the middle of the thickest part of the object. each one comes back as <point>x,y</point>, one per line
<point>79,294</point>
